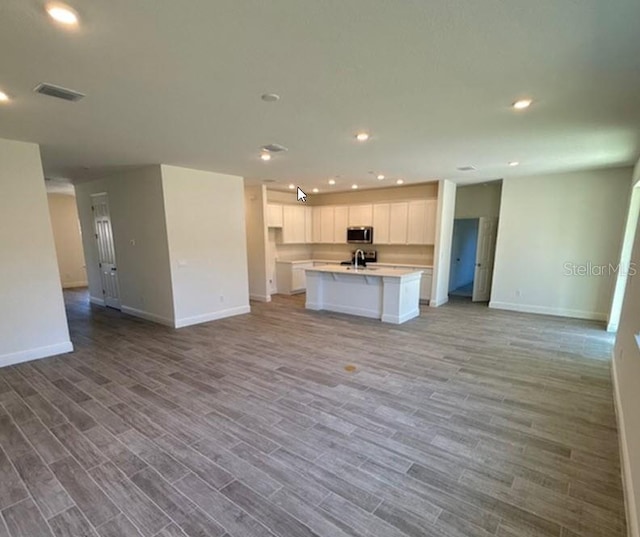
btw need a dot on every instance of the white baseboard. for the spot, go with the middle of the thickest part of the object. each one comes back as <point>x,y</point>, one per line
<point>545,310</point>
<point>435,303</point>
<point>399,319</point>
<point>71,285</point>
<point>213,316</point>
<point>97,301</point>
<point>633,523</point>
<point>35,354</point>
<point>260,298</point>
<point>147,315</point>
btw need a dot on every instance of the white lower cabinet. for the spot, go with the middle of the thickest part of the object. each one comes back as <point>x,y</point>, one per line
<point>425,281</point>
<point>425,285</point>
<point>291,277</point>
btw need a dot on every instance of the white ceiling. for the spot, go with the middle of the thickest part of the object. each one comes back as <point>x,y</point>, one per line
<point>59,186</point>
<point>179,82</point>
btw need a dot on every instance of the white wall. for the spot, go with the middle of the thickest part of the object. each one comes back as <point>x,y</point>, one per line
<point>255,208</point>
<point>207,244</point>
<point>139,229</point>
<point>474,201</point>
<point>625,259</point>
<point>444,235</point>
<point>68,240</point>
<point>33,323</point>
<point>550,221</point>
<point>626,378</point>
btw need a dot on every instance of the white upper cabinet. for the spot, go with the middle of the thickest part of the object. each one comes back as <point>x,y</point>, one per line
<point>421,222</point>
<point>417,222</point>
<point>308,224</point>
<point>327,230</point>
<point>381,222</point>
<point>274,215</point>
<point>340,224</point>
<point>403,222</point>
<point>322,228</point>
<point>398,221</point>
<point>293,224</point>
<point>432,211</point>
<point>316,224</point>
<point>360,215</point>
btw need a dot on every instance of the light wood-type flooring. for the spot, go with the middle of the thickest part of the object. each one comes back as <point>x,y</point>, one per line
<point>465,422</point>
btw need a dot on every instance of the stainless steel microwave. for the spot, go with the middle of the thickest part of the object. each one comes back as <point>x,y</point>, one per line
<point>360,235</point>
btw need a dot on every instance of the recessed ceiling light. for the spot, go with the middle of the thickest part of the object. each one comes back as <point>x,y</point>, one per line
<point>355,187</point>
<point>514,163</point>
<point>62,14</point>
<point>399,181</point>
<point>522,104</point>
<point>332,181</point>
<point>380,177</point>
<point>292,186</point>
<point>362,136</point>
<point>265,156</point>
<point>270,97</point>
<point>3,97</point>
<point>315,190</point>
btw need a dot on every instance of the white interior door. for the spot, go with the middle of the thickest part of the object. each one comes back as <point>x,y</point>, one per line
<point>106,250</point>
<point>485,253</point>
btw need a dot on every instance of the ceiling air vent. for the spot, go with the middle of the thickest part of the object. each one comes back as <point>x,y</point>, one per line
<point>466,169</point>
<point>274,148</point>
<point>59,92</point>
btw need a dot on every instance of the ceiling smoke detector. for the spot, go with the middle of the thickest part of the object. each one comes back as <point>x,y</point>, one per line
<point>51,90</point>
<point>274,148</point>
<point>270,97</point>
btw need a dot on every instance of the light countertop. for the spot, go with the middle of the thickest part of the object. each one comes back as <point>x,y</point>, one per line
<point>333,261</point>
<point>368,271</point>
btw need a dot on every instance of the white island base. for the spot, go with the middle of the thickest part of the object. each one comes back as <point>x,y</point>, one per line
<point>391,295</point>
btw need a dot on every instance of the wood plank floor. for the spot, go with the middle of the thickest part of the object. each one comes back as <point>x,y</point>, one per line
<point>466,422</point>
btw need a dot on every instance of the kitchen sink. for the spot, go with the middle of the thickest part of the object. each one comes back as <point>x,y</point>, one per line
<point>361,269</point>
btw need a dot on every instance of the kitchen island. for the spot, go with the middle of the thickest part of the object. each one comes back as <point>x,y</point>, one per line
<point>391,295</point>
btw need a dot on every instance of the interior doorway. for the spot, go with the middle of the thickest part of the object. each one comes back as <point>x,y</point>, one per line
<point>463,256</point>
<point>472,257</point>
<point>106,250</point>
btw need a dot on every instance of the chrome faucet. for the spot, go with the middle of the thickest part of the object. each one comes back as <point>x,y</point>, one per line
<point>355,259</point>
